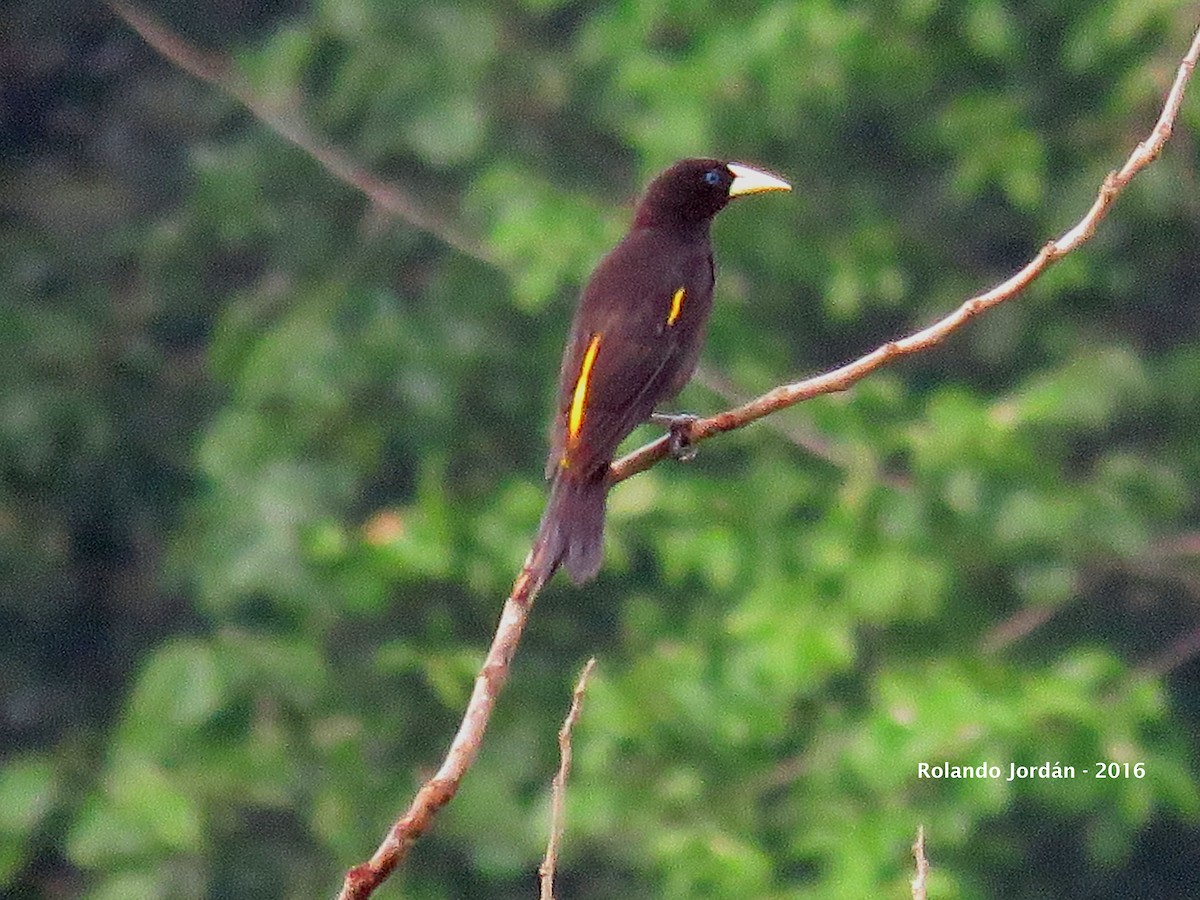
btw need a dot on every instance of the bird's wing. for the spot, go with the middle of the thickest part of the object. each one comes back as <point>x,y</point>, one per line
<point>639,320</point>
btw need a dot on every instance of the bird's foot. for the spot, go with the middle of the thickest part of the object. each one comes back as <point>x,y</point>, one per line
<point>679,433</point>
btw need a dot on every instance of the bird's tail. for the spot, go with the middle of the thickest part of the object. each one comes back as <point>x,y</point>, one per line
<point>571,533</point>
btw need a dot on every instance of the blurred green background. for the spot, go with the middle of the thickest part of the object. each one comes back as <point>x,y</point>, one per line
<point>272,457</point>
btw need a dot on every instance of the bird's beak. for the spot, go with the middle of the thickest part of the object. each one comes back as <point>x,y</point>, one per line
<point>751,181</point>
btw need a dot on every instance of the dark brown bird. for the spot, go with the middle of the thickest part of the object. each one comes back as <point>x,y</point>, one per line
<point>634,342</point>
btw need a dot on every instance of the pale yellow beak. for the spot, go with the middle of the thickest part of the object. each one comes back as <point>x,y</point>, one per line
<point>752,181</point>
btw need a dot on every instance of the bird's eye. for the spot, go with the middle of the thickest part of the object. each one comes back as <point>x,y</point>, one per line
<point>712,177</point>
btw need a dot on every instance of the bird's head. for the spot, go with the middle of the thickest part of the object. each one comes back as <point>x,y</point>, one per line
<point>692,191</point>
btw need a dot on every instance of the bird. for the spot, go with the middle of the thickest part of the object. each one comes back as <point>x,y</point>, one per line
<point>634,342</point>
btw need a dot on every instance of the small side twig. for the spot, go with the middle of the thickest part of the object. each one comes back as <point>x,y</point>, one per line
<point>922,864</point>
<point>1017,626</point>
<point>558,799</point>
<point>1180,651</point>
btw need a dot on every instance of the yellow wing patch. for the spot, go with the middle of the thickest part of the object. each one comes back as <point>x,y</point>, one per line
<point>579,397</point>
<point>676,306</point>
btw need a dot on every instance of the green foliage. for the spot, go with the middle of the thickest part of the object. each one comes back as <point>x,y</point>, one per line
<point>271,459</point>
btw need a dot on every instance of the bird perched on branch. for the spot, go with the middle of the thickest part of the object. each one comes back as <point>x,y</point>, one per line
<point>634,342</point>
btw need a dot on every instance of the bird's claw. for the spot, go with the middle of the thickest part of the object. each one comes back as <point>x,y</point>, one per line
<point>679,434</point>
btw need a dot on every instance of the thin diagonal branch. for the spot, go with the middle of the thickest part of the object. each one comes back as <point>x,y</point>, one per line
<point>558,799</point>
<point>1016,627</point>
<point>1182,650</point>
<point>216,71</point>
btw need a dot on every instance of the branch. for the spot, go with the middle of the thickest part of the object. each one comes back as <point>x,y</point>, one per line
<point>1019,625</point>
<point>1182,650</point>
<point>844,377</point>
<point>922,865</point>
<point>439,790</point>
<point>558,800</point>
<point>216,71</point>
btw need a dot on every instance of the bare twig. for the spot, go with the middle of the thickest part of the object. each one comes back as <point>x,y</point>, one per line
<point>844,377</point>
<point>922,872</point>
<point>1017,626</point>
<point>1175,546</point>
<point>286,123</point>
<point>1159,561</point>
<point>558,799</point>
<point>1182,650</point>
